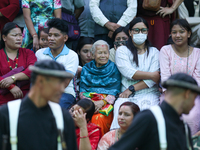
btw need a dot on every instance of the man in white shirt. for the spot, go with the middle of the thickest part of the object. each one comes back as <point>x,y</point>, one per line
<point>110,15</point>
<point>60,53</point>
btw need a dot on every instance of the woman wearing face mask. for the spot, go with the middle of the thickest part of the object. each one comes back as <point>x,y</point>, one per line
<point>120,37</point>
<point>138,63</point>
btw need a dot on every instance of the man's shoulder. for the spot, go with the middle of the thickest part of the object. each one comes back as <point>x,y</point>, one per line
<point>40,52</point>
<point>71,52</point>
<point>145,116</point>
<point>67,117</point>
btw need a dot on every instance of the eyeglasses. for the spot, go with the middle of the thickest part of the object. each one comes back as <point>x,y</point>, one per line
<point>137,30</point>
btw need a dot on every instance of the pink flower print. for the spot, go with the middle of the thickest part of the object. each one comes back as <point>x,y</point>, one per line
<point>40,27</point>
<point>25,6</point>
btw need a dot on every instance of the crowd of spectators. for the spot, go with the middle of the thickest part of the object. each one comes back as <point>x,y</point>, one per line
<point>117,52</point>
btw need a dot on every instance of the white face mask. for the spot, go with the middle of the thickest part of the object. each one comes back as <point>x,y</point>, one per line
<point>139,38</point>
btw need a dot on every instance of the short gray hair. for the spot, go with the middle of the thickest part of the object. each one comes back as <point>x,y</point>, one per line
<point>97,43</point>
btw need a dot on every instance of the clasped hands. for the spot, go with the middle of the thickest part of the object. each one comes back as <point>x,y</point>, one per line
<point>6,82</point>
<point>112,27</point>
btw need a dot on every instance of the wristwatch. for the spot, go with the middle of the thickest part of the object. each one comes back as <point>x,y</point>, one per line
<point>132,89</point>
<point>13,77</point>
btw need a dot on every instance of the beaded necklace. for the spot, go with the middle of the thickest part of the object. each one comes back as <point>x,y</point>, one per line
<point>16,64</point>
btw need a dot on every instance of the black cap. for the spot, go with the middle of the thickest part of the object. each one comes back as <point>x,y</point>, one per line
<point>182,80</point>
<point>50,68</point>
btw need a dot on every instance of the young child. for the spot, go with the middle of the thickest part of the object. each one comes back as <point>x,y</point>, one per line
<point>43,38</point>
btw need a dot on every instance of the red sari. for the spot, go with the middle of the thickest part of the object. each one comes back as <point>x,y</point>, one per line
<point>94,133</point>
<point>26,58</point>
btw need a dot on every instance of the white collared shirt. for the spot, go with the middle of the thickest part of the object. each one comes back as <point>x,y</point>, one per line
<point>126,18</point>
<point>68,58</point>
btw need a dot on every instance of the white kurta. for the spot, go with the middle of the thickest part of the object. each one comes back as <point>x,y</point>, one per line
<point>144,98</point>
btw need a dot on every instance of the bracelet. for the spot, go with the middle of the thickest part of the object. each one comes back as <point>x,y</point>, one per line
<point>11,87</point>
<point>35,34</point>
<point>84,136</point>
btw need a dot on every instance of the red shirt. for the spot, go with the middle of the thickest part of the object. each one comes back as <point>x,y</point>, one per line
<point>26,58</point>
<point>9,10</point>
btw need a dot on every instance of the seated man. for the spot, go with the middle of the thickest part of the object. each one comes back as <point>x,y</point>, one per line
<point>31,123</point>
<point>60,53</point>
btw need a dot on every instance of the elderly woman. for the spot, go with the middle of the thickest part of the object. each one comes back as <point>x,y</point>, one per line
<point>14,63</point>
<point>102,77</point>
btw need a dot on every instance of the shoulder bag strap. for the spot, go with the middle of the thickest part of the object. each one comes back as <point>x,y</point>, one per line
<point>57,112</point>
<point>157,112</point>
<point>13,110</point>
<point>187,136</point>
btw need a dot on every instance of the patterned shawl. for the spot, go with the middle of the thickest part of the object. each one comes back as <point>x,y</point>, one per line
<point>105,79</point>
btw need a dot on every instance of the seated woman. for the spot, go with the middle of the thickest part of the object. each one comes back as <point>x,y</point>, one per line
<point>120,37</point>
<point>139,65</point>
<point>14,63</point>
<point>83,50</point>
<point>85,56</point>
<point>181,57</point>
<point>88,134</point>
<point>102,77</point>
<point>127,112</point>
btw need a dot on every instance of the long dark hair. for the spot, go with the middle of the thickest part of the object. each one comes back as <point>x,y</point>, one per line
<point>6,29</point>
<point>130,44</point>
<point>83,41</point>
<point>134,107</point>
<point>184,24</point>
<point>118,30</point>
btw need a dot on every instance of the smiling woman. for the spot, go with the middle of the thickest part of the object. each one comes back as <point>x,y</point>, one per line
<point>14,62</point>
<point>181,57</point>
<point>102,77</point>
